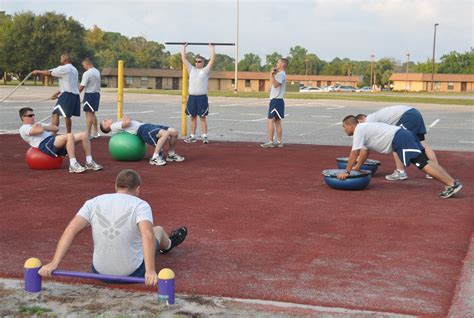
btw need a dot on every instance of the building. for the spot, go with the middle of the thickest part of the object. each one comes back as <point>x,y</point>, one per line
<point>417,82</point>
<point>218,81</point>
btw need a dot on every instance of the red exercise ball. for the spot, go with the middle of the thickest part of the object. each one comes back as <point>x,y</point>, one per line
<point>37,160</point>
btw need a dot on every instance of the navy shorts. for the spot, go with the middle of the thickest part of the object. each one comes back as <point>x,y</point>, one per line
<point>276,108</point>
<point>148,133</point>
<point>68,105</point>
<point>139,272</point>
<point>407,146</point>
<point>197,105</point>
<point>413,121</point>
<point>91,102</point>
<point>47,147</point>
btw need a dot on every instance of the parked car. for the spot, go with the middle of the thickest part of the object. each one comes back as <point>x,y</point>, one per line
<point>344,88</point>
<point>311,89</point>
<point>328,88</point>
<point>364,89</point>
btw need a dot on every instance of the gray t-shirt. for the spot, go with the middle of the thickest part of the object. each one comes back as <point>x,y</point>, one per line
<point>374,136</point>
<point>117,240</point>
<point>388,115</point>
<point>279,92</point>
<point>198,79</point>
<point>33,140</point>
<point>68,78</point>
<point>116,127</point>
<point>91,80</point>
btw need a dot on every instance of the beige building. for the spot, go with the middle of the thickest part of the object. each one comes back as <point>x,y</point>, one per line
<point>417,82</point>
<point>218,81</point>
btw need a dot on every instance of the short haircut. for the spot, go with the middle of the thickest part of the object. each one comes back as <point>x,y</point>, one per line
<point>24,110</point>
<point>66,57</point>
<point>200,57</point>
<point>284,60</point>
<point>351,119</point>
<point>360,116</point>
<point>102,128</point>
<point>128,179</point>
<point>88,60</point>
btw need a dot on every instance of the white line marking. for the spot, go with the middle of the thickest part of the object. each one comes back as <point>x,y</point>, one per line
<point>247,132</point>
<point>434,123</point>
<point>314,130</point>
<point>466,142</point>
<point>336,107</point>
<point>321,116</point>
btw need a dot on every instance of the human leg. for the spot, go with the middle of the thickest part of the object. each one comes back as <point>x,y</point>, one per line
<point>167,243</point>
<point>279,131</point>
<point>399,173</point>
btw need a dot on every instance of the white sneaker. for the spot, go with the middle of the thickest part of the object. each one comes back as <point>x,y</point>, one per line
<point>157,161</point>
<point>95,136</point>
<point>278,144</point>
<point>76,168</point>
<point>268,144</point>
<point>396,175</point>
<point>93,166</point>
<point>175,157</point>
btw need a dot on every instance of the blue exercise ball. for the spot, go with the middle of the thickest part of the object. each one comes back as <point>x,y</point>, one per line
<point>369,164</point>
<point>127,147</point>
<point>357,180</point>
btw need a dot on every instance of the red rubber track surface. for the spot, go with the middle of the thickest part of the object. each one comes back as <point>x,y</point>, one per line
<point>262,224</point>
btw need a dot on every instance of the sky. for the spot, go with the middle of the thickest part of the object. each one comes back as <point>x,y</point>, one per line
<point>355,29</point>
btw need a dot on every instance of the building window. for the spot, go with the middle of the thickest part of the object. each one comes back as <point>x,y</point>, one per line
<point>129,80</point>
<point>144,81</point>
<point>247,83</point>
<point>450,86</point>
<point>328,83</point>
<point>233,81</point>
<point>437,86</point>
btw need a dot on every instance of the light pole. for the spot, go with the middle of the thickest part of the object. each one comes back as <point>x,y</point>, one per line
<point>406,75</point>
<point>372,71</point>
<point>433,60</point>
<point>236,50</point>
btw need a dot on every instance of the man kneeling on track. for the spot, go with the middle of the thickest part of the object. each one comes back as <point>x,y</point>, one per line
<point>42,137</point>
<point>154,135</point>
<point>125,240</point>
<point>385,138</point>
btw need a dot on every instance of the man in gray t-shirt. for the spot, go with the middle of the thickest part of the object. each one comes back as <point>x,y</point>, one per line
<point>125,240</point>
<point>198,104</point>
<point>276,109</point>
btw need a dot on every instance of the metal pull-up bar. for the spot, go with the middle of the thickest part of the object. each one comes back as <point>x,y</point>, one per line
<point>199,43</point>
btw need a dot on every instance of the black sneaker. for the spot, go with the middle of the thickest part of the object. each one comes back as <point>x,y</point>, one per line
<point>452,190</point>
<point>176,237</point>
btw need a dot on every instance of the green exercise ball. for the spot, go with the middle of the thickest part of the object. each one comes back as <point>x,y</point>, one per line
<point>127,147</point>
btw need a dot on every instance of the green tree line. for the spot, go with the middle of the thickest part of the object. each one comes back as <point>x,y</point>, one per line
<point>29,41</point>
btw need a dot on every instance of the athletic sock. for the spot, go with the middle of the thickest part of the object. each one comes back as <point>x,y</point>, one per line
<point>72,161</point>
<point>401,171</point>
<point>155,155</point>
<point>169,245</point>
<point>89,159</point>
<point>204,135</point>
<point>192,135</point>
<point>171,153</point>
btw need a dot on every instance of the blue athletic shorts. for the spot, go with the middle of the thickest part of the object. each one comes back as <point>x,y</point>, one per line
<point>47,147</point>
<point>413,121</point>
<point>276,108</point>
<point>68,105</point>
<point>407,146</point>
<point>148,133</point>
<point>139,272</point>
<point>91,102</point>
<point>197,105</point>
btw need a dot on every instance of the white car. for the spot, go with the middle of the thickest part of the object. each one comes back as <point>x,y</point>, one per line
<point>364,89</point>
<point>311,89</point>
<point>329,88</point>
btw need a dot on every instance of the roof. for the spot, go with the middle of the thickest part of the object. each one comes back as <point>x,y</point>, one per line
<point>152,72</point>
<point>423,77</point>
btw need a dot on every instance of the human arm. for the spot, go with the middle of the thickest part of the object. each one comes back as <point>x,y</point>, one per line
<point>76,225</point>
<point>149,250</point>
<point>183,54</point>
<point>352,159</point>
<point>81,88</point>
<point>126,121</point>
<point>38,72</point>
<point>212,47</point>
<point>276,78</point>
<point>363,155</point>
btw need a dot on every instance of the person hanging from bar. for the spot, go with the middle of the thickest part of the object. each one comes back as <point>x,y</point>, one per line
<point>198,104</point>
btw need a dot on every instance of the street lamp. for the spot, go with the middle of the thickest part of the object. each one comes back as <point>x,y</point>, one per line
<point>236,50</point>
<point>406,75</point>
<point>372,71</point>
<point>433,60</point>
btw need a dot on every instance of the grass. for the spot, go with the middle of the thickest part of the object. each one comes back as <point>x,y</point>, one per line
<point>389,97</point>
<point>33,310</point>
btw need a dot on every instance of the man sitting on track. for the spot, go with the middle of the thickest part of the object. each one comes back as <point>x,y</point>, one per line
<point>154,135</point>
<point>409,118</point>
<point>386,138</point>
<point>41,136</point>
<point>125,241</point>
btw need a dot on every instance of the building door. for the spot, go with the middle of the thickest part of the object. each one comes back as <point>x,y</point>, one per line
<point>159,83</point>
<point>261,85</point>
<point>463,86</point>
<point>318,83</point>
<point>175,83</point>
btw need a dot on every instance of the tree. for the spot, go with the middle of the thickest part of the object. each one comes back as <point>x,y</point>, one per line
<point>271,61</point>
<point>251,62</point>
<point>425,67</point>
<point>224,62</point>
<point>457,63</point>
<point>297,59</point>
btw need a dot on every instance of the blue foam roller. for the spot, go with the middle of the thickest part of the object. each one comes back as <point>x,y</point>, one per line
<point>357,180</point>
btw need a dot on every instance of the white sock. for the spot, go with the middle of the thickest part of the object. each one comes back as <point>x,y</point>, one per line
<point>169,246</point>
<point>155,155</point>
<point>88,159</point>
<point>204,135</point>
<point>401,171</point>
<point>192,135</point>
<point>72,161</point>
<point>171,153</point>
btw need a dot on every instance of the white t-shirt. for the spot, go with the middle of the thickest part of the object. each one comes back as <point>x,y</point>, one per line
<point>389,115</point>
<point>279,92</point>
<point>114,220</point>
<point>33,140</point>
<point>198,79</point>
<point>68,78</point>
<point>374,136</point>
<point>132,128</point>
<point>91,80</point>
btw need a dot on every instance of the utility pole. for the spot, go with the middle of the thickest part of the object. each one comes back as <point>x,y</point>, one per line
<point>406,75</point>
<point>433,60</point>
<point>236,50</point>
<point>372,82</point>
